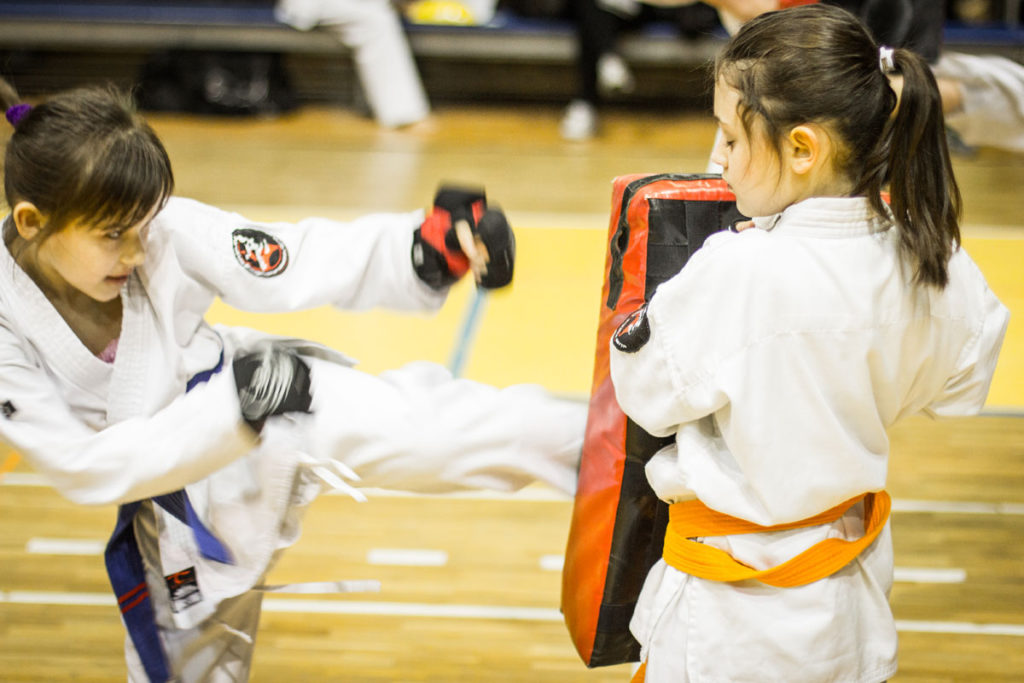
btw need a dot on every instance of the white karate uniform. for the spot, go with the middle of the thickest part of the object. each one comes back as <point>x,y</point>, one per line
<point>992,88</point>
<point>778,358</point>
<point>124,431</point>
<point>373,30</point>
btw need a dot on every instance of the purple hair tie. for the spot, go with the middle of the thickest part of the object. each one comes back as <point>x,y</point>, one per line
<point>16,113</point>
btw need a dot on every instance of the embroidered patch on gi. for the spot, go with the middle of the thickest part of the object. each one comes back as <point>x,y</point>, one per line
<point>183,589</point>
<point>634,332</point>
<point>8,409</point>
<point>259,253</point>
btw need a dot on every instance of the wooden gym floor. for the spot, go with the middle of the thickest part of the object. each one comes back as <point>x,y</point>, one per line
<point>470,584</point>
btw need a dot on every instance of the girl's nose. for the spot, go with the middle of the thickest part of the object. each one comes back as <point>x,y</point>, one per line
<point>134,252</point>
<point>718,151</point>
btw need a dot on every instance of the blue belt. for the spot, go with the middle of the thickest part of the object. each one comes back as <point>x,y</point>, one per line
<point>127,573</point>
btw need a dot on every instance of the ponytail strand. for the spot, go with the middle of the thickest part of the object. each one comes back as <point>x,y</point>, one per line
<point>925,199</point>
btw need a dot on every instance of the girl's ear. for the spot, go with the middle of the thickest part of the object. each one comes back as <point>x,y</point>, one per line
<point>28,219</point>
<point>807,147</point>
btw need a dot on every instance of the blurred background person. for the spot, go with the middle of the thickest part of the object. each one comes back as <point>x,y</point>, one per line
<point>982,95</point>
<point>373,30</point>
<point>601,70</point>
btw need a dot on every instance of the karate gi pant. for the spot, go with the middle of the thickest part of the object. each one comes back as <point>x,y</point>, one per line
<point>414,429</point>
<point>836,630</point>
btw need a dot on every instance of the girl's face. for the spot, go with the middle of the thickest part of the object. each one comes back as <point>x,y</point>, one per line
<point>95,260</point>
<point>750,164</point>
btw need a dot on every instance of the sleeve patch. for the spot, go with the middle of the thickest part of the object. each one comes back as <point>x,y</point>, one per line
<point>259,253</point>
<point>634,332</point>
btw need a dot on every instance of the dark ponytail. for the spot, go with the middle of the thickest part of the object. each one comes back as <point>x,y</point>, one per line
<point>819,64</point>
<point>924,196</point>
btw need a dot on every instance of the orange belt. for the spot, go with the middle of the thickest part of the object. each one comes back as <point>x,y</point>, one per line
<point>691,519</point>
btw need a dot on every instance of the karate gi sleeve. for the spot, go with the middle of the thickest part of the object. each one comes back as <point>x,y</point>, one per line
<point>138,458</point>
<point>964,393</point>
<point>276,267</point>
<point>667,358</point>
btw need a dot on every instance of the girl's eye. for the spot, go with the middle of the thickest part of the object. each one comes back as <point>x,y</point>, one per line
<point>730,143</point>
<point>115,234</point>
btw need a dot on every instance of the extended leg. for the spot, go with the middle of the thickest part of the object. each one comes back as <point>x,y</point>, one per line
<point>418,429</point>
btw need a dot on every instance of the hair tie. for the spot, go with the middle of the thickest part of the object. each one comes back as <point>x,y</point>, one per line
<point>885,60</point>
<point>16,113</point>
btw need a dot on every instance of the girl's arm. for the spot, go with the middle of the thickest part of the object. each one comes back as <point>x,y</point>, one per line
<point>965,392</point>
<point>138,458</point>
<point>667,357</point>
<point>268,267</point>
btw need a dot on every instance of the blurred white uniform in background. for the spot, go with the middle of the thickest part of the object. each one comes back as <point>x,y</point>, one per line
<point>373,30</point>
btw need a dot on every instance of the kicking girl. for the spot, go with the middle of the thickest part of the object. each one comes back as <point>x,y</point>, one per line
<point>780,355</point>
<point>213,439</point>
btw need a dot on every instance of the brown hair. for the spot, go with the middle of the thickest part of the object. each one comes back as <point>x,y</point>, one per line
<point>85,154</point>
<point>819,64</point>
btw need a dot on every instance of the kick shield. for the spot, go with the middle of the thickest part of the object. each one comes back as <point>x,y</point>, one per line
<point>618,524</point>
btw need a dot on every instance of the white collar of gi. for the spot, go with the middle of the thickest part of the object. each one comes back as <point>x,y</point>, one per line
<point>829,217</point>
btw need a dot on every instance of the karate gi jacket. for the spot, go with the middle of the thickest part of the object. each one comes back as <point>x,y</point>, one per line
<point>117,432</point>
<point>778,358</point>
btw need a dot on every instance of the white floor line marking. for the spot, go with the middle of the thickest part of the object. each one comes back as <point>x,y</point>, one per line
<point>64,546</point>
<point>414,557</point>
<point>927,575</point>
<point>530,493</point>
<point>569,220</point>
<point>575,220</point>
<point>988,231</point>
<point>23,479</point>
<point>323,587</point>
<point>552,563</point>
<point>407,557</point>
<point>960,627</point>
<point>544,493</point>
<point>57,598</point>
<point>414,609</point>
<point>957,507</point>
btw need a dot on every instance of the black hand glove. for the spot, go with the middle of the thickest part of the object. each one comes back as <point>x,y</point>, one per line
<point>496,234</point>
<point>437,255</point>
<point>271,380</point>
<point>461,203</point>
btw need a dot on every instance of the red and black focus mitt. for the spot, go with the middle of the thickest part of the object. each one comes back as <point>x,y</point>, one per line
<point>439,256</point>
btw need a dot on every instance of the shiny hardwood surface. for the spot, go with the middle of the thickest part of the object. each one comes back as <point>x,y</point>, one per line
<point>959,485</point>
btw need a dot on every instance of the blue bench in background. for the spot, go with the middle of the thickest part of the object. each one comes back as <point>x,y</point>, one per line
<point>250,25</point>
<point>113,29</point>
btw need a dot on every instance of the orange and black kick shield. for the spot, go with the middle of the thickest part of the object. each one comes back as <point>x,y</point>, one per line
<point>618,524</point>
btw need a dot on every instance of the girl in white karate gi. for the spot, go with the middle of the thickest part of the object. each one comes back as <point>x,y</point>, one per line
<point>214,440</point>
<point>780,355</point>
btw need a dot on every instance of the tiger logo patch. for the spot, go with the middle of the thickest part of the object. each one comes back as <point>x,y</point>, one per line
<point>261,254</point>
